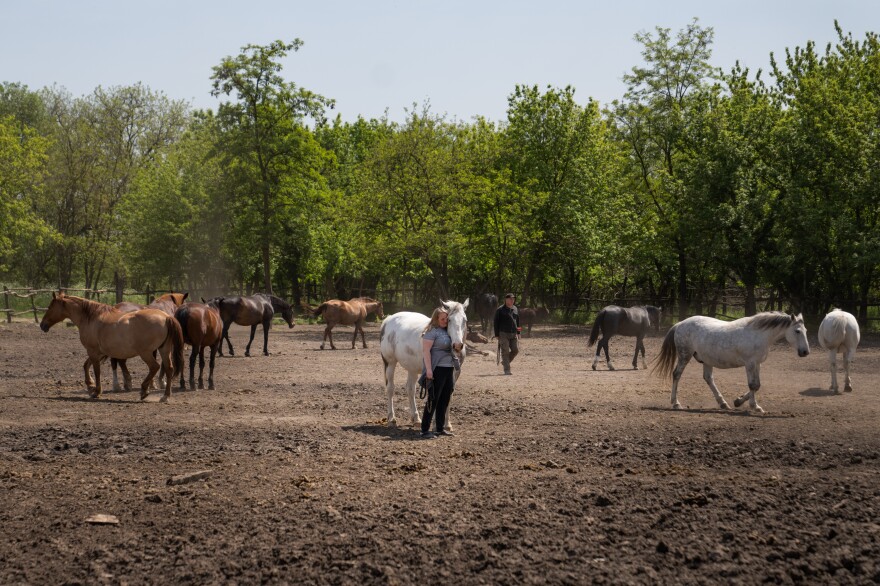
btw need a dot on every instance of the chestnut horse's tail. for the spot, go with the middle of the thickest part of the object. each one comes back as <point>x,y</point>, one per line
<point>594,334</point>
<point>320,309</point>
<point>664,363</point>
<point>176,334</point>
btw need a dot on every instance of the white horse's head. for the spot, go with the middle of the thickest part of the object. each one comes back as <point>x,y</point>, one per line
<point>457,327</point>
<point>796,334</point>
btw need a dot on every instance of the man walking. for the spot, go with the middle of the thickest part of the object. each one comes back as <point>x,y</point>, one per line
<point>507,331</point>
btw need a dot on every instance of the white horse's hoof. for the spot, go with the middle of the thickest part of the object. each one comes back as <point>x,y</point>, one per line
<point>848,388</point>
<point>758,409</point>
<point>392,423</point>
<point>610,367</point>
<point>676,405</point>
<point>723,405</point>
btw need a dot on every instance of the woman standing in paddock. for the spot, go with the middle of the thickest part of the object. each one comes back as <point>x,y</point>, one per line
<point>839,332</point>
<point>439,372</point>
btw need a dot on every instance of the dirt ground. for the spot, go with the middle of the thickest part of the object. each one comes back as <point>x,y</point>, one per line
<point>557,474</point>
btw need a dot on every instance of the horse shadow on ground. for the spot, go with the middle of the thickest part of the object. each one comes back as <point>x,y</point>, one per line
<point>382,430</point>
<point>103,399</point>
<point>817,392</point>
<point>727,412</point>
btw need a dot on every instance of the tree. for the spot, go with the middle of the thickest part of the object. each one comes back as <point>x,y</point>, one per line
<point>566,169</point>
<point>22,168</point>
<point>99,143</point>
<point>652,120</point>
<point>830,156</point>
<point>409,197</point>
<point>271,157</point>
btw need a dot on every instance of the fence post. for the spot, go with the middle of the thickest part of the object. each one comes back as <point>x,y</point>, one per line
<point>6,304</point>
<point>34,306</point>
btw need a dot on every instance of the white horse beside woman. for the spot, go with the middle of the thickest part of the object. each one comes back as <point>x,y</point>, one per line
<point>400,341</point>
<point>839,332</point>
<point>721,344</point>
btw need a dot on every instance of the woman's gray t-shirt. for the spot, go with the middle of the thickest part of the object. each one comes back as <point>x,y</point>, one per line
<point>441,350</point>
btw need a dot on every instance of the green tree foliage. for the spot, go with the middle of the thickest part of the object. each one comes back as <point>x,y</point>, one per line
<point>652,120</point>
<point>271,157</point>
<point>171,220</point>
<point>830,144</point>
<point>410,187</point>
<point>22,167</point>
<point>567,174</point>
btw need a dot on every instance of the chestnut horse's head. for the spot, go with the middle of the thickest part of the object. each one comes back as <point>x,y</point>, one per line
<point>56,312</point>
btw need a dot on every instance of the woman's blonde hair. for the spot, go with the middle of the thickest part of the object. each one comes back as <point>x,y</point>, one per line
<point>435,320</point>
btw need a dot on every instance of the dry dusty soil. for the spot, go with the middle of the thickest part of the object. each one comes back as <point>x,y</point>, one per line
<point>557,474</point>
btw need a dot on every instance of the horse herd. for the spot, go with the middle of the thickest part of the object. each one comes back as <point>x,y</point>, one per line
<point>163,327</point>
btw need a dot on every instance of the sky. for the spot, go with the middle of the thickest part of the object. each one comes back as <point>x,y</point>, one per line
<point>463,57</point>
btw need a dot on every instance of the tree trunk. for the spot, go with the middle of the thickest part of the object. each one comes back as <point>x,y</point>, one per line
<point>683,307</point>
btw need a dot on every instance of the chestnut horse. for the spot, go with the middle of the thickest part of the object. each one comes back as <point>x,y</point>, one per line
<point>168,303</point>
<point>353,312</point>
<point>202,328</point>
<point>252,311</point>
<point>105,331</point>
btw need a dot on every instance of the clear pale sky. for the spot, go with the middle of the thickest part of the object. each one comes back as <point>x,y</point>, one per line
<point>463,56</point>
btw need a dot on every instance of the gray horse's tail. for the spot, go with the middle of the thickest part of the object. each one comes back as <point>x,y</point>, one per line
<point>594,334</point>
<point>664,363</point>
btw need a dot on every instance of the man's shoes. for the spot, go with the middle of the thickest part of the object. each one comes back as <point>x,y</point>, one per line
<point>447,433</point>
<point>427,435</point>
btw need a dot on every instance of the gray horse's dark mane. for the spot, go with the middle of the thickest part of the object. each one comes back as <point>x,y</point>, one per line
<point>771,320</point>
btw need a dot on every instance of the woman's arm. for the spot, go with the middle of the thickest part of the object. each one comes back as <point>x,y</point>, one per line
<point>426,354</point>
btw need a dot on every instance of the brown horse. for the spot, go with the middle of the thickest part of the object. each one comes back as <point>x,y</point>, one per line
<point>105,331</point>
<point>353,312</point>
<point>202,328</point>
<point>529,316</point>
<point>252,311</point>
<point>168,302</point>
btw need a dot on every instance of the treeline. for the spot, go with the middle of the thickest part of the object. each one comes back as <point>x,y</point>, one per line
<point>695,181</point>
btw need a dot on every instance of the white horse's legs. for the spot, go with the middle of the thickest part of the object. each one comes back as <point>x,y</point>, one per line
<point>411,392</point>
<point>848,357</point>
<point>753,372</point>
<point>683,360</point>
<point>389,389</point>
<point>710,380</point>
<point>832,359</point>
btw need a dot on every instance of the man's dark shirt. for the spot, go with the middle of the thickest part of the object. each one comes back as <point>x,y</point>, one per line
<point>506,320</point>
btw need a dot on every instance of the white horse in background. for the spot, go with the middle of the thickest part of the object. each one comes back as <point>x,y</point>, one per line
<point>400,341</point>
<point>720,344</point>
<point>839,332</point>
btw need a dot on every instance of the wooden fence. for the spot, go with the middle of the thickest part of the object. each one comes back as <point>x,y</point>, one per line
<point>32,294</point>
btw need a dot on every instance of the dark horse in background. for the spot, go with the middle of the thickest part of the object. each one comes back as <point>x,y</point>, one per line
<point>252,311</point>
<point>486,304</point>
<point>529,316</point>
<point>624,321</point>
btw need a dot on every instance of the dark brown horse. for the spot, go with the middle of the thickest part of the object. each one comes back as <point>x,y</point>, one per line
<point>252,311</point>
<point>353,312</point>
<point>528,316</point>
<point>168,303</point>
<point>624,321</point>
<point>107,332</point>
<point>202,328</point>
<point>486,304</point>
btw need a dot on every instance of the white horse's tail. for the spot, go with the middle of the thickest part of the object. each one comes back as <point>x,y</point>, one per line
<point>664,363</point>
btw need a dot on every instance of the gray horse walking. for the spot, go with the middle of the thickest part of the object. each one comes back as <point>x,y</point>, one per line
<point>624,321</point>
